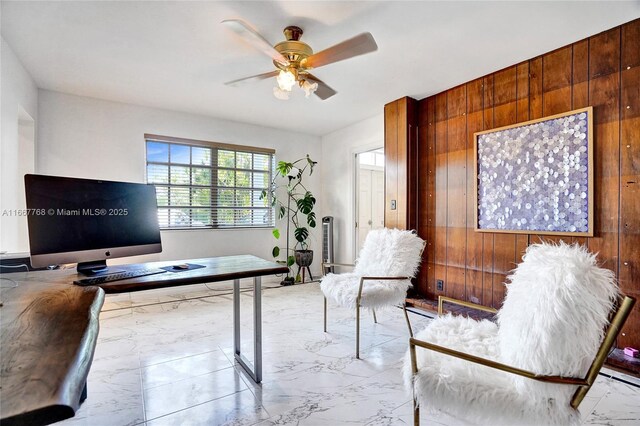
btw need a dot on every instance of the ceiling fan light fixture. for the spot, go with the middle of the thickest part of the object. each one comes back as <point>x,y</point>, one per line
<point>286,80</point>
<point>283,95</point>
<point>309,88</point>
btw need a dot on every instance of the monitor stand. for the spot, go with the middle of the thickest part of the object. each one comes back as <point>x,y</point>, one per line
<point>96,268</point>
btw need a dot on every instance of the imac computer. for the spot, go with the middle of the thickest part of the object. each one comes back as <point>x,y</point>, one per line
<point>87,221</point>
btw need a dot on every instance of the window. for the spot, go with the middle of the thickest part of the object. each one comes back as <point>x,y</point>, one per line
<point>204,184</point>
<point>372,158</point>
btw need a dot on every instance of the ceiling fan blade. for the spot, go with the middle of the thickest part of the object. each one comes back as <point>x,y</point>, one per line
<point>252,78</point>
<point>255,39</point>
<point>323,91</point>
<point>358,45</point>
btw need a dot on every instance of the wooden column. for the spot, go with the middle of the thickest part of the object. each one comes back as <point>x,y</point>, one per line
<point>400,150</point>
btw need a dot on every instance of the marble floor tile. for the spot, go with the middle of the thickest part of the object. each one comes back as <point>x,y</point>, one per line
<point>113,399</point>
<point>114,356</point>
<point>619,406</point>
<point>175,396</point>
<point>167,359</point>
<point>239,409</point>
<point>183,368</point>
<point>596,393</point>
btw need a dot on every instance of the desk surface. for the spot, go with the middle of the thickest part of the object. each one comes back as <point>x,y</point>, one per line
<point>50,326</point>
<point>49,334</point>
<point>221,268</point>
<point>215,269</point>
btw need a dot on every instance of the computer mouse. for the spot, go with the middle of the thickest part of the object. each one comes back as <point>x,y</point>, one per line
<point>181,266</point>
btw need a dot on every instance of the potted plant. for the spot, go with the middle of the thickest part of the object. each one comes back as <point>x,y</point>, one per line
<point>294,201</point>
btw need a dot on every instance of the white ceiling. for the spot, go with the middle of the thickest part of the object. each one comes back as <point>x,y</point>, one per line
<point>177,55</point>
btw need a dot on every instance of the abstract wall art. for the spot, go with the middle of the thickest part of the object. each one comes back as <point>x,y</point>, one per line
<point>536,177</point>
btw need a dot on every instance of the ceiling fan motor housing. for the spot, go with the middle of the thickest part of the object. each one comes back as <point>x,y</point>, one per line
<point>293,49</point>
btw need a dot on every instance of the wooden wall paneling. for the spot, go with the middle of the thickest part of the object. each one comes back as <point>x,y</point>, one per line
<point>602,71</point>
<point>556,93</point>
<point>580,75</point>
<point>535,108</point>
<point>423,191</point>
<point>556,81</point>
<point>403,164</point>
<point>504,113</point>
<point>604,53</point>
<point>456,192</point>
<point>522,114</point>
<point>411,186</point>
<point>391,162</point>
<point>504,109</point>
<point>440,248</point>
<point>631,44</point>
<point>535,88</point>
<point>401,178</point>
<point>604,96</point>
<point>522,92</point>
<point>473,255</point>
<point>488,239</point>
<point>431,188</point>
<point>580,89</point>
<point>630,177</point>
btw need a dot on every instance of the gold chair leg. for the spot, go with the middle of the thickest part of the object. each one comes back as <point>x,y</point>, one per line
<point>375,320</point>
<point>406,317</point>
<point>358,331</point>
<point>414,373</point>
<point>325,314</point>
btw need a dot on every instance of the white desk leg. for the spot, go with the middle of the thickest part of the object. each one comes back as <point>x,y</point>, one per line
<point>256,371</point>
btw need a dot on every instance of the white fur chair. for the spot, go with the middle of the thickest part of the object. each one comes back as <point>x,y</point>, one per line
<point>388,260</point>
<point>537,363</point>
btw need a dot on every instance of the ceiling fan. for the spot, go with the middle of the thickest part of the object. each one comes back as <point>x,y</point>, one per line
<point>294,59</point>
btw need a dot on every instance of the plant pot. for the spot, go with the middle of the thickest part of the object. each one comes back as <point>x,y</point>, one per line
<point>304,258</point>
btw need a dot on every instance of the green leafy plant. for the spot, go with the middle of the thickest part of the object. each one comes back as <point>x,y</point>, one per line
<point>291,199</point>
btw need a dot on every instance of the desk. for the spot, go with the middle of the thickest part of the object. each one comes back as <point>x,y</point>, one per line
<point>224,268</point>
<point>37,396</point>
<point>49,334</point>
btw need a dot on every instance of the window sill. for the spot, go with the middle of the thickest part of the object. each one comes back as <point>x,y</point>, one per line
<point>228,228</point>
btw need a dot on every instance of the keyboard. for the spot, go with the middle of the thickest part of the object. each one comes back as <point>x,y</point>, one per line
<point>118,276</point>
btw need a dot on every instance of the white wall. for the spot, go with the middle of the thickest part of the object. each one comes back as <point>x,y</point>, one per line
<point>91,138</point>
<point>18,110</point>
<point>338,178</point>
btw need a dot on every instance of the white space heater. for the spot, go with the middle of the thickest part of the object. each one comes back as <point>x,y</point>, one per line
<point>327,243</point>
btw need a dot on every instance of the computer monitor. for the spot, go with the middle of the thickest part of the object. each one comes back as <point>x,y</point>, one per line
<point>87,221</point>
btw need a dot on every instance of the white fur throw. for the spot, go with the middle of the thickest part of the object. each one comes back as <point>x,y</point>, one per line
<point>552,321</point>
<point>553,318</point>
<point>385,253</point>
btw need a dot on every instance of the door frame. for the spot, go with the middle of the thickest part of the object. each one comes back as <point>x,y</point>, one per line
<point>356,182</point>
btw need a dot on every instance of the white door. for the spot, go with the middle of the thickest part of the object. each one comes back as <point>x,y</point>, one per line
<point>377,199</point>
<point>365,221</point>
<point>370,203</point>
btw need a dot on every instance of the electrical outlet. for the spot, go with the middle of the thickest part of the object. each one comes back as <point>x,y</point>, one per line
<point>440,285</point>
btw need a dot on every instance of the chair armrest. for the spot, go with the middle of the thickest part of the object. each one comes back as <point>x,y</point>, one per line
<point>442,299</point>
<point>365,278</point>
<point>338,264</point>
<point>413,342</point>
<point>325,265</point>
